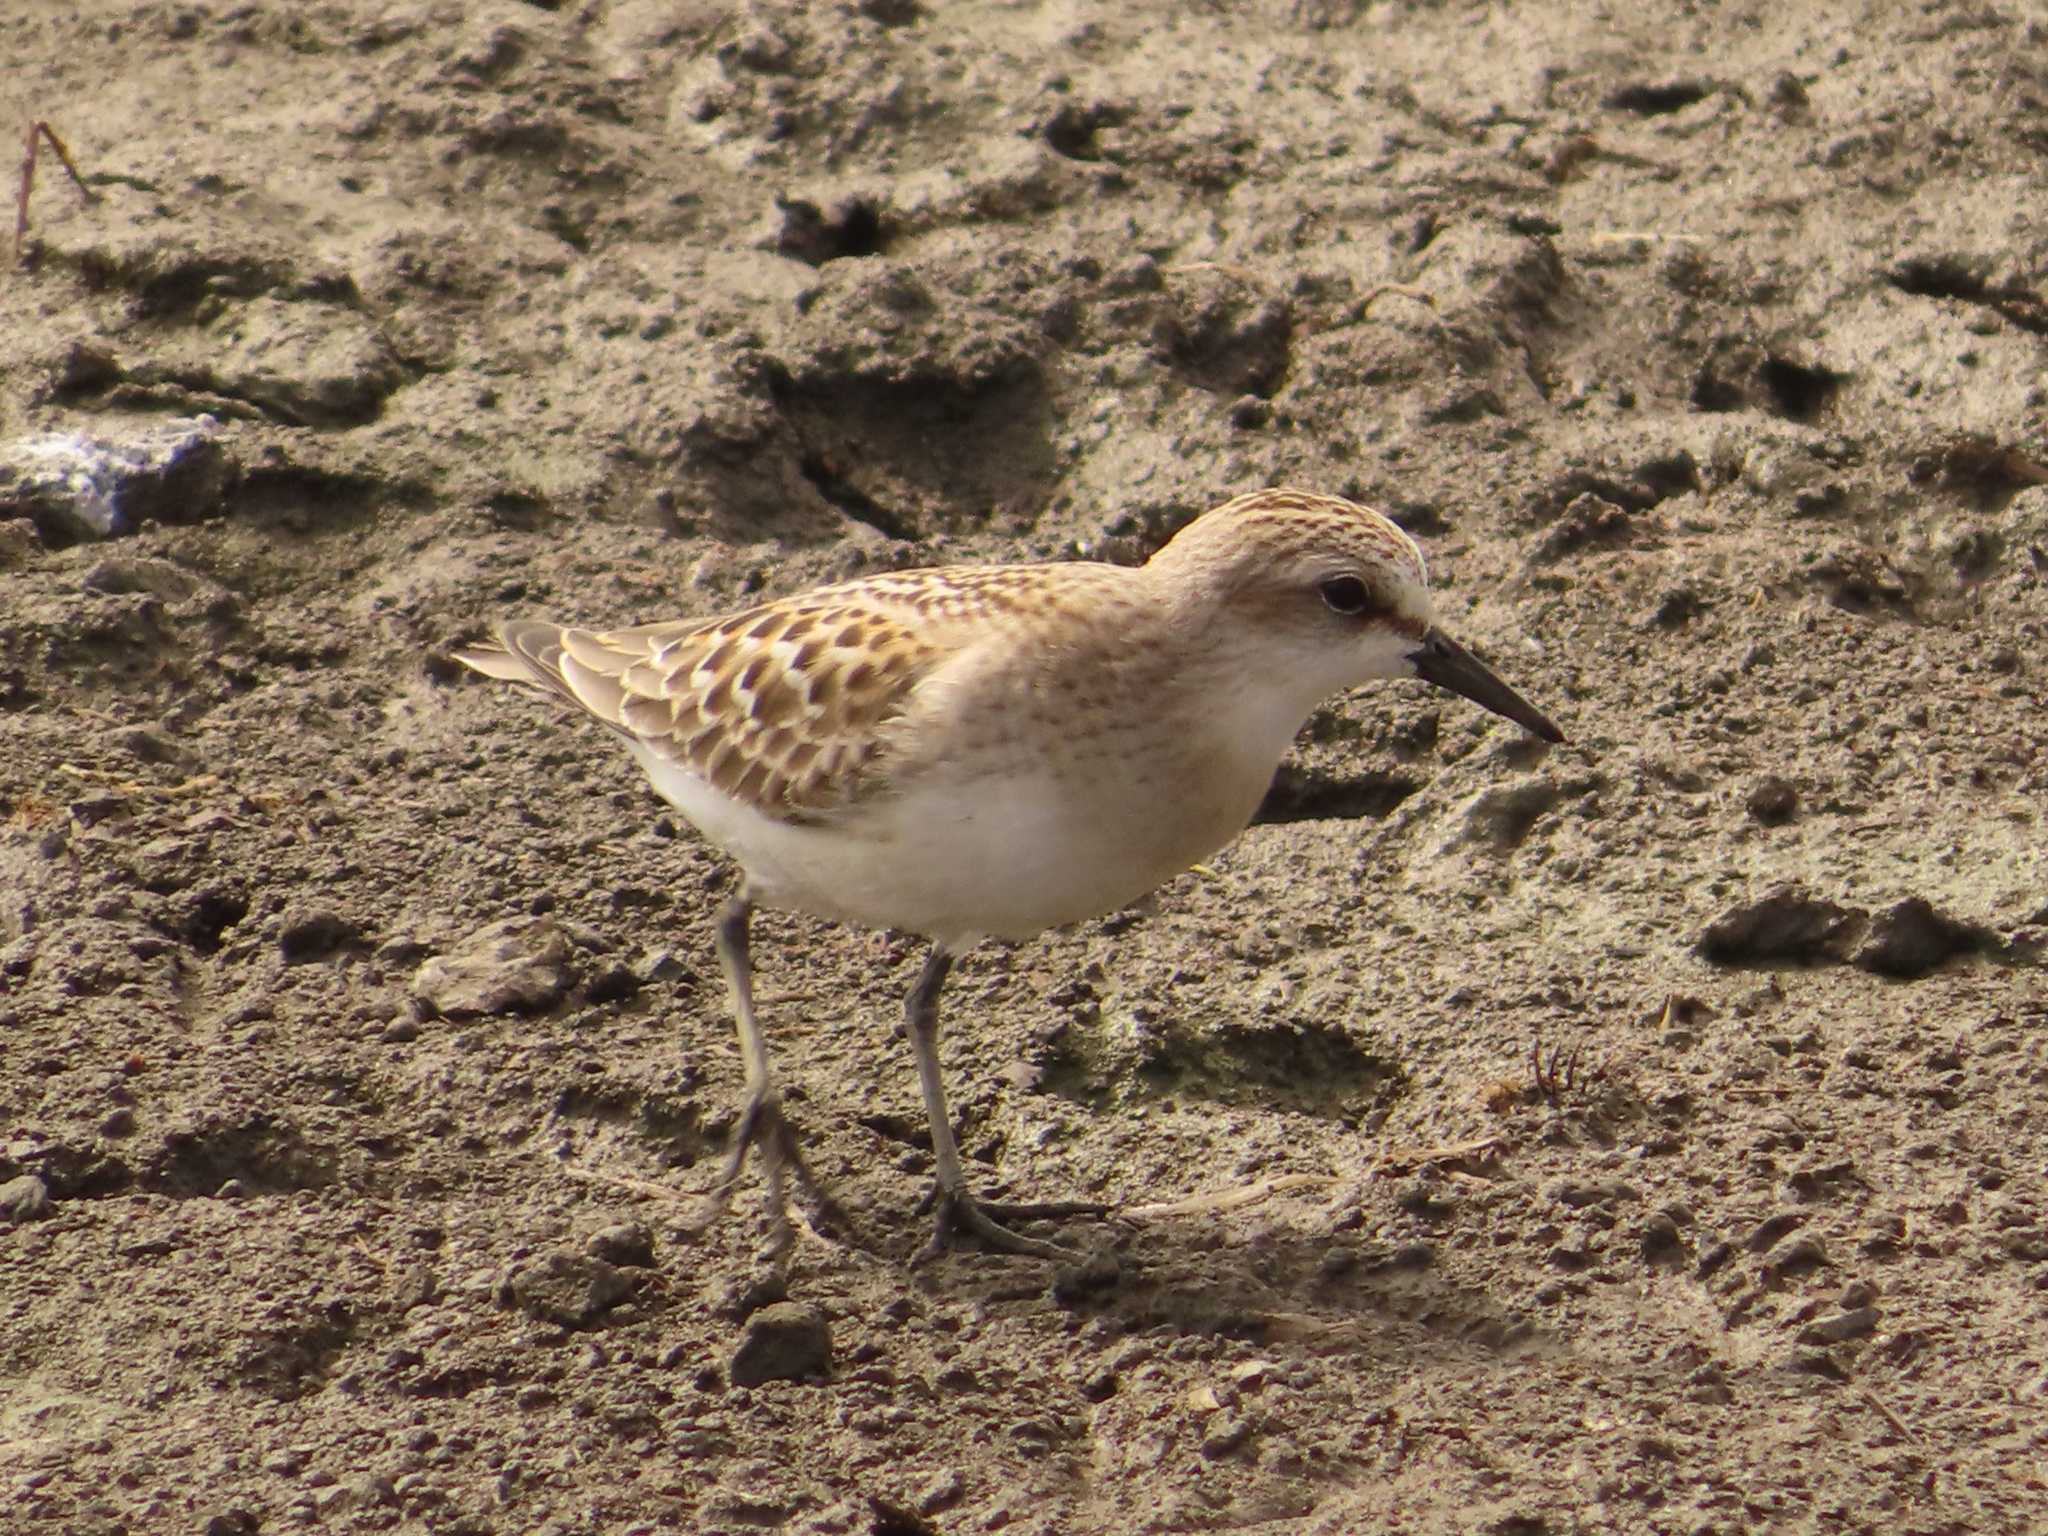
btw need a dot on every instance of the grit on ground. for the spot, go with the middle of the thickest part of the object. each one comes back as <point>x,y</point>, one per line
<point>360,1026</point>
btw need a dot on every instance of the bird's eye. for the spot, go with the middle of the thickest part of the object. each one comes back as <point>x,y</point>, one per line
<point>1346,595</point>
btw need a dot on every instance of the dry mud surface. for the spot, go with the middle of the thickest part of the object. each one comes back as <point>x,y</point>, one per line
<point>359,1034</point>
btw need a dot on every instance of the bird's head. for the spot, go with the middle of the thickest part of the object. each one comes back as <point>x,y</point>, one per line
<point>1328,595</point>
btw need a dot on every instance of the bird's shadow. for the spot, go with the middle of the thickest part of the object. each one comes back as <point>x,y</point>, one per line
<point>1314,1293</point>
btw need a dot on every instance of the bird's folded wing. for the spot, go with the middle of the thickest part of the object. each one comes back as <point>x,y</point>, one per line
<point>785,707</point>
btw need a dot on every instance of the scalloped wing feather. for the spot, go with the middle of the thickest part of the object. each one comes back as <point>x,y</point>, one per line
<point>783,707</point>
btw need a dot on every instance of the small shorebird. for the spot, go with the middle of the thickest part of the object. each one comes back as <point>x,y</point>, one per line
<point>990,751</point>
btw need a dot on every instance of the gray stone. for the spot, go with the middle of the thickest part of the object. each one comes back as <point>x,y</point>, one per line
<point>75,486</point>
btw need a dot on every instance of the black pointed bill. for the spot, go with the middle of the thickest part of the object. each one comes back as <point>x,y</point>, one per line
<point>1444,662</point>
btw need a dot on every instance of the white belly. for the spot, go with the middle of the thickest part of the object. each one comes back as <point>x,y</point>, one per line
<point>959,859</point>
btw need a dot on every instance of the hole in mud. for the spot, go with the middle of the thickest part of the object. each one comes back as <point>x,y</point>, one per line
<point>675,1126</point>
<point>1505,816</point>
<point>212,914</point>
<point>1299,795</point>
<point>1420,518</point>
<point>1713,392</point>
<point>1937,278</point>
<point>1655,480</point>
<point>904,1130</point>
<point>814,235</point>
<point>301,499</point>
<point>897,453</point>
<point>286,1363</point>
<point>518,511</point>
<point>1302,1062</point>
<point>1309,1069</point>
<point>263,1156</point>
<point>1797,391</point>
<point>854,502</point>
<point>1948,277</point>
<point>1989,472</point>
<point>1656,100</point>
<point>891,1520</point>
<point>1672,475</point>
<point>1071,130</point>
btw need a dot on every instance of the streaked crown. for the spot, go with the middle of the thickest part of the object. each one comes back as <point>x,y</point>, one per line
<point>1263,552</point>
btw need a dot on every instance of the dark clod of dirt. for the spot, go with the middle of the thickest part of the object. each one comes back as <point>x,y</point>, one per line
<point>315,933</point>
<point>1773,801</point>
<point>1580,1193</point>
<point>1912,938</point>
<point>125,575</point>
<point>520,965</point>
<point>1816,1362</point>
<point>739,1296</point>
<point>1788,924</point>
<point>626,1243</point>
<point>1588,521</point>
<point>570,1290</point>
<point>784,1342</point>
<point>1660,1241</point>
<point>1800,1256</point>
<point>1906,940</point>
<point>1766,1234</point>
<point>1097,1272</point>
<point>1228,1432</point>
<point>942,1488</point>
<point>613,982</point>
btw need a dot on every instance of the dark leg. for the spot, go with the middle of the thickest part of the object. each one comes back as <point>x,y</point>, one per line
<point>957,1210</point>
<point>761,1123</point>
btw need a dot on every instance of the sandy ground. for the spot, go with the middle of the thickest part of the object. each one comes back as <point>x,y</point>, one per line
<point>360,1041</point>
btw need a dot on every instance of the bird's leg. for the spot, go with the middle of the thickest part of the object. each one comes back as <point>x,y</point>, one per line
<point>957,1210</point>
<point>761,1123</point>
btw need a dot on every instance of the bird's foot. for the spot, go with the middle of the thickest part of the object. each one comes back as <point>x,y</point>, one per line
<point>763,1127</point>
<point>957,1214</point>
